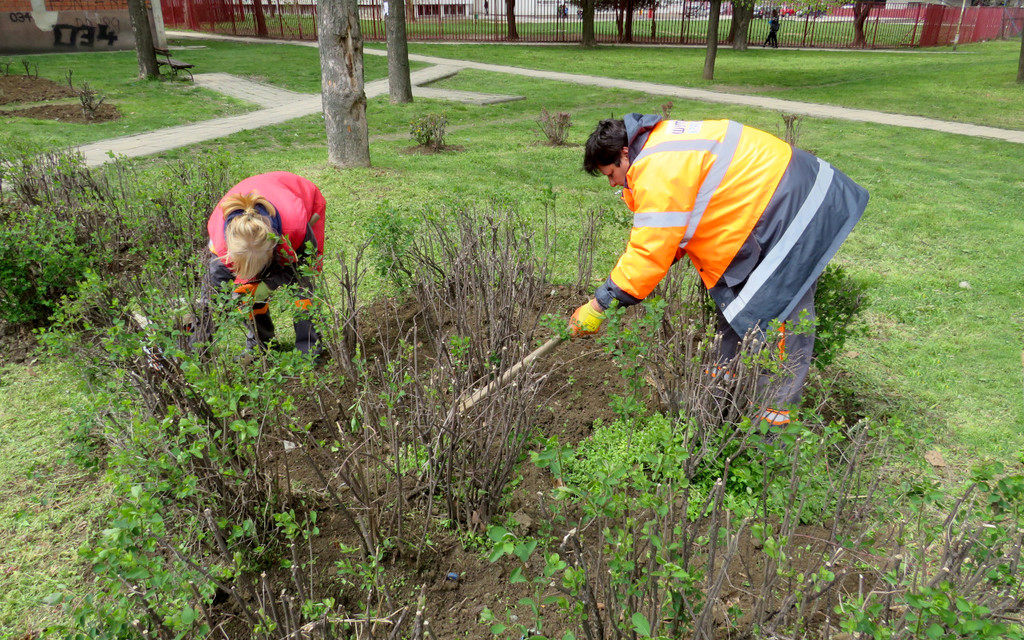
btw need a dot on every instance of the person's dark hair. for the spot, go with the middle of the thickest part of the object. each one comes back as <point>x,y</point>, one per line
<point>604,146</point>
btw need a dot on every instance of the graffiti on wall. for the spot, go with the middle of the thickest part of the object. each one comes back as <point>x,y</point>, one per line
<point>86,34</point>
<point>26,31</point>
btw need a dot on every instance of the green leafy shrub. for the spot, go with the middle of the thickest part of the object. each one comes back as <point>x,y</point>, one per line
<point>391,235</point>
<point>60,219</point>
<point>429,130</point>
<point>40,259</point>
<point>839,302</point>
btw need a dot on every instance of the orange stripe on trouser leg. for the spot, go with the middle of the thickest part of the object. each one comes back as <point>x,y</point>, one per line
<point>782,341</point>
<point>775,418</point>
<point>259,309</point>
<point>304,304</point>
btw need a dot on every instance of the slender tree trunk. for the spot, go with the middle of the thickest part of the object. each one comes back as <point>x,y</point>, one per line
<point>589,40</point>
<point>627,26</point>
<point>714,11</point>
<point>341,74</point>
<point>861,10</point>
<point>261,20</point>
<point>510,17</point>
<point>139,17</point>
<point>399,83</point>
<point>1020,64</point>
<point>654,22</point>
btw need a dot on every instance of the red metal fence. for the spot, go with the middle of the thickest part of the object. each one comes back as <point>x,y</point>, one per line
<point>673,21</point>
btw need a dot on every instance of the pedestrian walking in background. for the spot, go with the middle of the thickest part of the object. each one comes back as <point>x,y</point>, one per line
<point>773,31</point>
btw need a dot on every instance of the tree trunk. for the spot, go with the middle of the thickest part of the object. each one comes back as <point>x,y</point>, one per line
<point>261,20</point>
<point>619,11</point>
<point>341,75</point>
<point>739,32</point>
<point>138,15</point>
<point>399,84</point>
<point>860,16</point>
<point>589,40</point>
<point>715,9</point>
<point>1020,64</point>
<point>654,22</point>
<point>627,25</point>
<point>510,17</point>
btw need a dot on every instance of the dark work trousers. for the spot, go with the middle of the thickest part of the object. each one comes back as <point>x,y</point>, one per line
<point>798,350</point>
<point>261,329</point>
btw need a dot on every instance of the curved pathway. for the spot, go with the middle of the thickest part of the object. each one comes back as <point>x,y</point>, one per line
<point>279,105</point>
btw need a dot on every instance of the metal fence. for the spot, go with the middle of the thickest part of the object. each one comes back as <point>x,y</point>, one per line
<point>671,22</point>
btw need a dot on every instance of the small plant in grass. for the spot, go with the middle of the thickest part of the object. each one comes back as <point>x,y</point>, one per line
<point>31,69</point>
<point>791,123</point>
<point>428,131</point>
<point>666,110</point>
<point>91,100</point>
<point>67,76</point>
<point>555,126</point>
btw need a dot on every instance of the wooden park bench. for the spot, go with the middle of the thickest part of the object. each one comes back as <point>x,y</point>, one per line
<point>164,59</point>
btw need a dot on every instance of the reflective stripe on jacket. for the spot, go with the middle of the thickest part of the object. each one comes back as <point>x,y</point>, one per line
<point>758,218</point>
<point>296,200</point>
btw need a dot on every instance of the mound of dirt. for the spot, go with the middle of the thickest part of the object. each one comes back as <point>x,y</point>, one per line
<point>65,113</point>
<point>15,89</point>
<point>23,90</point>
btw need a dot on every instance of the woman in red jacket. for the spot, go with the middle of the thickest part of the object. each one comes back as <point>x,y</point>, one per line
<point>264,233</point>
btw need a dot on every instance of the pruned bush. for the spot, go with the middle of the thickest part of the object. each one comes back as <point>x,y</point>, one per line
<point>555,126</point>
<point>429,130</point>
<point>90,99</point>
<point>791,127</point>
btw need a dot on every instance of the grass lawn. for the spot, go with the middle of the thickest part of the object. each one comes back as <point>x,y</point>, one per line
<point>974,84</point>
<point>937,243</point>
<point>50,506</point>
<point>147,105</point>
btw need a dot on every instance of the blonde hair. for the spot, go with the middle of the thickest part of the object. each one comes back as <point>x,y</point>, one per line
<point>249,237</point>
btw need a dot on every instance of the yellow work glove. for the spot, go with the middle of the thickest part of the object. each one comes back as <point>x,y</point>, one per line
<point>585,321</point>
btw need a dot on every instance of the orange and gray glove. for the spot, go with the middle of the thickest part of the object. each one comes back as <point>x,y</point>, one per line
<point>252,297</point>
<point>586,320</point>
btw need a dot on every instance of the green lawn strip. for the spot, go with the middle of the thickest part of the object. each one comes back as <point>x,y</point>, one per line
<point>975,84</point>
<point>49,507</point>
<point>147,105</point>
<point>948,355</point>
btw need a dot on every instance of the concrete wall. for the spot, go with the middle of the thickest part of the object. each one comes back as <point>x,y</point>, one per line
<point>60,26</point>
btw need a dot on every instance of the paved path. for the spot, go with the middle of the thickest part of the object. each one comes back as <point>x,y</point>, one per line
<point>279,105</point>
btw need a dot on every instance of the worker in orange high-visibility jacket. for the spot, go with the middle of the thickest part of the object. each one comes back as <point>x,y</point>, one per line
<point>262,233</point>
<point>758,218</point>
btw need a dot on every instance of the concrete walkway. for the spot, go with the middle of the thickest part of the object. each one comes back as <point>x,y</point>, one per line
<point>279,105</point>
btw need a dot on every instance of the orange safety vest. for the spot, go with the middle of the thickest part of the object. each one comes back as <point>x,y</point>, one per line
<point>296,200</point>
<point>758,218</point>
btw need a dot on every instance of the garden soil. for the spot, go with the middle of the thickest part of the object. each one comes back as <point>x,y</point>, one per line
<point>451,569</point>
<point>22,96</point>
